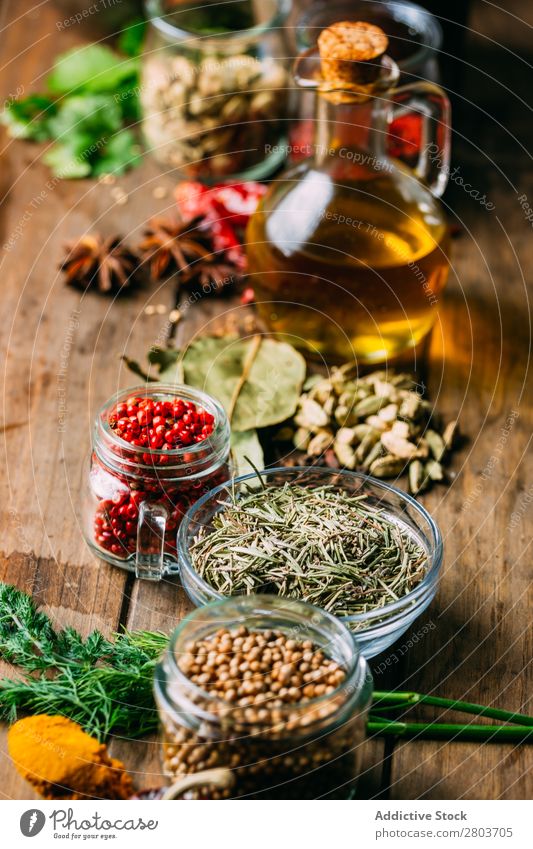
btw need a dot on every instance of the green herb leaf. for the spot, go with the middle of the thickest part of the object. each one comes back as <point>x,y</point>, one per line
<point>101,684</point>
<point>119,154</point>
<point>65,163</point>
<point>29,118</point>
<point>131,38</point>
<point>268,395</point>
<point>85,117</point>
<point>95,68</point>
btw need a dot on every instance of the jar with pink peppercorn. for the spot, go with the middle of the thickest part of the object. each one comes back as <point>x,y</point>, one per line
<point>155,451</point>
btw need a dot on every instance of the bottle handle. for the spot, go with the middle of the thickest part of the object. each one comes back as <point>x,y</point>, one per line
<point>433,154</point>
<point>151,528</point>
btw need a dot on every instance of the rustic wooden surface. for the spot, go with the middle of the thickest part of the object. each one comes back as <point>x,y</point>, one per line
<point>62,360</point>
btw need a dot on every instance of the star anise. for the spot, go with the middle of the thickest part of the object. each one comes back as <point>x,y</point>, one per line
<point>103,263</point>
<point>171,245</point>
<point>212,276</point>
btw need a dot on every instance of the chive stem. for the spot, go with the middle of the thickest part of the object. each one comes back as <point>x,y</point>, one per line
<point>383,701</point>
<point>449,731</point>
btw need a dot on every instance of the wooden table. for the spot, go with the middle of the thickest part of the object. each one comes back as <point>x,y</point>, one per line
<point>62,360</point>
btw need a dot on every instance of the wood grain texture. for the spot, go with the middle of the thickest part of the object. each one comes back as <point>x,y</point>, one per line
<point>62,360</point>
<point>481,649</point>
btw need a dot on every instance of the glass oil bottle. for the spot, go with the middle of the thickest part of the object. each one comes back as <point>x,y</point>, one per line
<point>348,251</point>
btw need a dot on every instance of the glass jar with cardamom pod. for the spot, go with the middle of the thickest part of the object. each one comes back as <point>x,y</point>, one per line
<point>214,87</point>
<point>273,689</point>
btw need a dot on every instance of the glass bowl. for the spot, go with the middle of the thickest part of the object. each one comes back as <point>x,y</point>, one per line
<point>374,630</point>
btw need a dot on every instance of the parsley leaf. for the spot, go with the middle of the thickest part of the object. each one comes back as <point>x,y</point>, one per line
<point>29,118</point>
<point>93,68</point>
<point>97,94</point>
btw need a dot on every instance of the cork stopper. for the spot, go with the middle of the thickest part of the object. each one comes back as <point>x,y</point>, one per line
<point>351,51</point>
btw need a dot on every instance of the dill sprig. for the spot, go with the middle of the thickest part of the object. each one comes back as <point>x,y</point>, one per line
<point>104,685</point>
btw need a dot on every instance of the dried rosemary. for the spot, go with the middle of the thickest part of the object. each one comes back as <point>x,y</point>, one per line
<point>322,545</point>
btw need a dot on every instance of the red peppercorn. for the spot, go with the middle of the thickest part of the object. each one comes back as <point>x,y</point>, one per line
<point>157,424</point>
<point>154,426</point>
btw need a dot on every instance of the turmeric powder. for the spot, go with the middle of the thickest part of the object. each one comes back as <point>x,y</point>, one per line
<point>61,761</point>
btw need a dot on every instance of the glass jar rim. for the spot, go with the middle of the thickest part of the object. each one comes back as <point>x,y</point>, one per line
<point>352,685</point>
<point>157,17</point>
<point>434,554</point>
<point>410,13</point>
<point>216,442</point>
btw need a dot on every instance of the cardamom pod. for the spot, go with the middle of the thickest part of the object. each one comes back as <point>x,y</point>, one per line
<point>344,454</point>
<point>417,478</point>
<point>411,406</point>
<point>450,434</point>
<point>377,423</point>
<point>320,443</point>
<point>389,414</point>
<point>311,414</point>
<point>345,417</point>
<point>373,454</point>
<point>397,446</point>
<point>387,467</point>
<point>346,435</point>
<point>402,381</point>
<point>383,389</point>
<point>369,406</point>
<point>301,439</point>
<point>422,449</point>
<point>322,391</point>
<point>436,443</point>
<point>361,430</point>
<point>401,429</point>
<point>329,405</point>
<point>367,444</point>
<point>434,470</point>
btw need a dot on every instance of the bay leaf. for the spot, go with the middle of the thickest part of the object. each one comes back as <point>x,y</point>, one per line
<point>273,378</point>
<point>170,364</point>
<point>245,446</point>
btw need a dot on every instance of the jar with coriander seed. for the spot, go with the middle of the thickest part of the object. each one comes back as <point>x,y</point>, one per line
<point>215,87</point>
<point>273,689</point>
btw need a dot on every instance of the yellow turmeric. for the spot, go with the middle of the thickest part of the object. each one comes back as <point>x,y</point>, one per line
<point>61,761</point>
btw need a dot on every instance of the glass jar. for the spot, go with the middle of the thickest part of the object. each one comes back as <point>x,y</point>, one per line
<point>135,497</point>
<point>299,750</point>
<point>348,249</point>
<point>215,101</point>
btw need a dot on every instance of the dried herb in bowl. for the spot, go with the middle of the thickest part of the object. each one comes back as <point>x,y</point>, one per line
<point>322,545</point>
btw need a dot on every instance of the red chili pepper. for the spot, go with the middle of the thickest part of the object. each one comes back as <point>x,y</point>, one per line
<point>225,209</point>
<point>301,139</point>
<point>405,136</point>
<point>192,199</point>
<point>234,202</point>
<point>238,201</point>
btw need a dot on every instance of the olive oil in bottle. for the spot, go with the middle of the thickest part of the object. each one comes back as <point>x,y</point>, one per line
<point>348,250</point>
